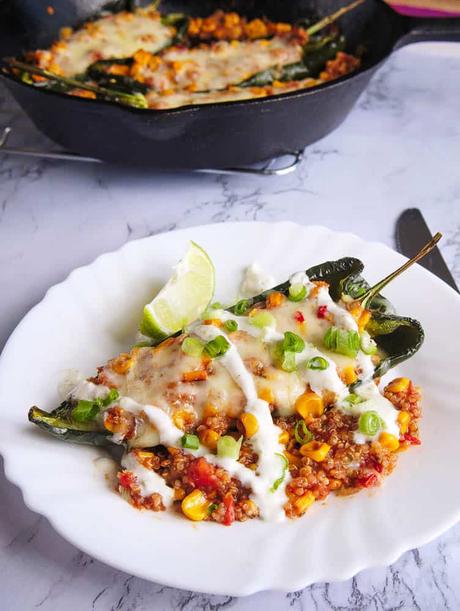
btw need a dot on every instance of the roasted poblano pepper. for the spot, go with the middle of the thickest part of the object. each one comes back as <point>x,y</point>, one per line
<point>60,424</point>
<point>398,337</point>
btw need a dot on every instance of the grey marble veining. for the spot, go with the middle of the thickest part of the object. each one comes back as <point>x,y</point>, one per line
<point>399,148</point>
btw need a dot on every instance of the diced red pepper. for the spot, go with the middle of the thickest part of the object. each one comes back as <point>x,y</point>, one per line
<point>373,463</point>
<point>322,311</point>
<point>125,479</point>
<point>202,475</point>
<point>367,481</point>
<point>415,441</point>
<point>299,316</point>
<point>229,504</point>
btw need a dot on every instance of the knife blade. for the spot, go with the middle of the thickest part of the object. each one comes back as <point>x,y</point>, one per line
<point>412,233</point>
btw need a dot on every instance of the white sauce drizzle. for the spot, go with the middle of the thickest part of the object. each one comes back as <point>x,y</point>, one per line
<point>255,281</point>
<point>149,481</point>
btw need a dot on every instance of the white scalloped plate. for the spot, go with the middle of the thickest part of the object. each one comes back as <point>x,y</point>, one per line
<point>92,316</point>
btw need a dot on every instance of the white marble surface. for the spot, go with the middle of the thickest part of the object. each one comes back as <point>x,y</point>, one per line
<point>400,148</point>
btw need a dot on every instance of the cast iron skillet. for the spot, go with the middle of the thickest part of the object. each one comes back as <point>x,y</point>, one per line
<point>215,135</point>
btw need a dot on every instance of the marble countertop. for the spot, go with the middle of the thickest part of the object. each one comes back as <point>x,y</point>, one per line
<point>399,148</point>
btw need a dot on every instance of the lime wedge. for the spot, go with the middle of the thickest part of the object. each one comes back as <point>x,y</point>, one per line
<point>183,298</point>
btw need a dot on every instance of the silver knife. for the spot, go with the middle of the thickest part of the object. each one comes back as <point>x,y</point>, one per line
<point>412,234</point>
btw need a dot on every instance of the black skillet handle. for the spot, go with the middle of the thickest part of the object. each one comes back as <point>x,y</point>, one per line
<point>426,29</point>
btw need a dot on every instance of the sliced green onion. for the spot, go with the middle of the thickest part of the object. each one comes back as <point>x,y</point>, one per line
<point>353,399</point>
<point>292,342</point>
<point>369,423</point>
<point>277,483</point>
<point>111,397</point>
<point>212,507</point>
<point>288,361</point>
<point>241,307</point>
<point>301,433</point>
<point>262,319</point>
<point>228,447</point>
<point>216,306</point>
<point>217,347</point>
<point>297,292</point>
<point>368,345</point>
<point>231,326</point>
<point>342,342</point>
<point>191,442</point>
<point>192,346</point>
<point>209,314</point>
<point>317,362</point>
<point>85,410</point>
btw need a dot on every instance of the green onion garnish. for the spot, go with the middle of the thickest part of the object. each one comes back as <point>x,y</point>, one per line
<point>342,342</point>
<point>192,346</point>
<point>353,399</point>
<point>228,447</point>
<point>287,362</point>
<point>191,442</point>
<point>217,347</point>
<point>85,410</point>
<point>369,423</point>
<point>262,319</point>
<point>241,307</point>
<point>212,507</point>
<point>112,396</point>
<point>301,433</point>
<point>292,342</point>
<point>231,326</point>
<point>297,292</point>
<point>277,483</point>
<point>216,306</point>
<point>368,345</point>
<point>317,362</point>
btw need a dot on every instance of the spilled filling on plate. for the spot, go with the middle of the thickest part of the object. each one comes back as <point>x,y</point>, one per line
<point>258,410</point>
<point>146,59</point>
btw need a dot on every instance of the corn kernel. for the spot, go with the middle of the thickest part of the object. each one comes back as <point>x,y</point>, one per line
<point>389,441</point>
<point>355,310</point>
<point>283,438</point>
<point>348,375</point>
<point>182,418</point>
<point>292,458</point>
<point>195,506</point>
<point>209,438</point>
<point>363,320</point>
<point>315,450</point>
<point>213,321</point>
<point>398,385</point>
<point>210,410</point>
<point>403,421</point>
<point>304,502</point>
<point>266,394</point>
<point>275,299</point>
<point>251,426</point>
<point>122,363</point>
<point>309,405</point>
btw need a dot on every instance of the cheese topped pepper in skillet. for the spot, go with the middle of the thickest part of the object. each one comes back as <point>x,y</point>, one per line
<point>260,409</point>
<point>149,60</point>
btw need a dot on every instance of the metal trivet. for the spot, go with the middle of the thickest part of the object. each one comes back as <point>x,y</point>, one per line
<point>270,168</point>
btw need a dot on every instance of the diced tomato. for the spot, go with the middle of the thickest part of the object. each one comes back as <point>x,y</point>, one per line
<point>322,311</point>
<point>125,479</point>
<point>373,463</point>
<point>229,504</point>
<point>299,316</point>
<point>415,441</point>
<point>367,481</point>
<point>202,475</point>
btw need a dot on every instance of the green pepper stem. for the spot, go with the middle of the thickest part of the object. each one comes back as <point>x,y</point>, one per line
<point>323,23</point>
<point>134,100</point>
<point>365,299</point>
